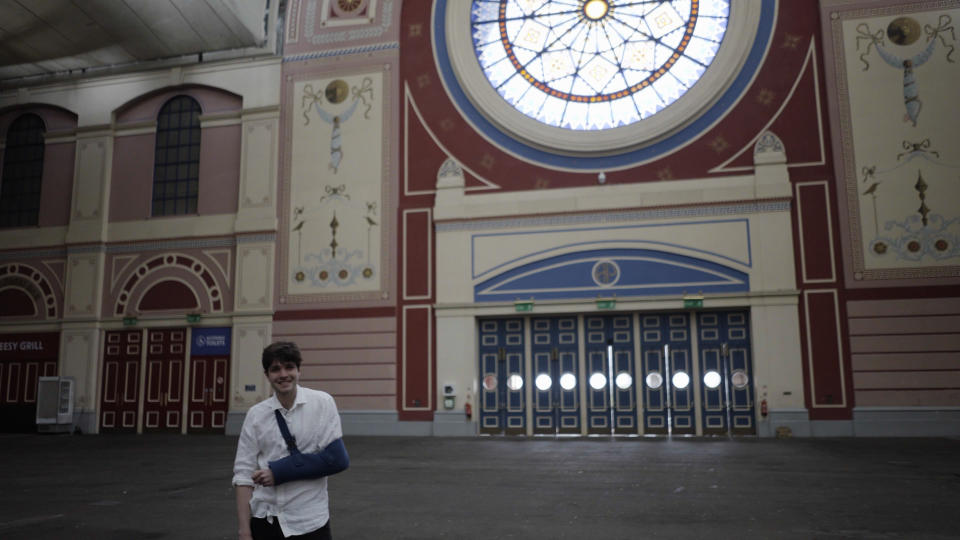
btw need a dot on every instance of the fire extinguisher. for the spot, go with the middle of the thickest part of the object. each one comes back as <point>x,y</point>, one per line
<point>468,406</point>
<point>763,408</point>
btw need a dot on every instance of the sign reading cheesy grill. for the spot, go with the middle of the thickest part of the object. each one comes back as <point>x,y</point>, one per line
<point>29,346</point>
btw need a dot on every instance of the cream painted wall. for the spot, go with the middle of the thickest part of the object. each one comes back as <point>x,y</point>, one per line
<point>247,382</point>
<point>777,364</point>
<point>253,226</point>
<point>746,226</point>
<point>257,81</point>
<point>456,358</point>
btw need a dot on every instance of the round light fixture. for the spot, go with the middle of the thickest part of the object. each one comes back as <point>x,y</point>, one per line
<point>595,9</point>
<point>711,379</point>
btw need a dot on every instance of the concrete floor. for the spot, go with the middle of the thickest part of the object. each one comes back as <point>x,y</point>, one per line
<point>169,486</point>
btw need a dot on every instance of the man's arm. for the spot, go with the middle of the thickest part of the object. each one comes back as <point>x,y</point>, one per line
<point>244,467</point>
<point>330,460</point>
<point>244,493</point>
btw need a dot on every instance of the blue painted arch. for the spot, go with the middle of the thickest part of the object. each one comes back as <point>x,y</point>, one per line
<point>611,272</point>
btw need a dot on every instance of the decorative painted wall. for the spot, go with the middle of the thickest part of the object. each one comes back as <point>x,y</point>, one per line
<point>334,239</point>
<point>896,74</point>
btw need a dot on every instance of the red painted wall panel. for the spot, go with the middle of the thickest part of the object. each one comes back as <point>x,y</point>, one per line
<point>824,349</point>
<point>58,160</point>
<point>416,253</point>
<point>415,380</point>
<point>813,210</point>
<point>219,170</point>
<point>132,186</point>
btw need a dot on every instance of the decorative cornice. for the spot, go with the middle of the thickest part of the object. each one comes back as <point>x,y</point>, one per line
<point>345,35</point>
<point>32,254</point>
<point>342,52</point>
<point>171,244</point>
<point>256,238</point>
<point>754,207</point>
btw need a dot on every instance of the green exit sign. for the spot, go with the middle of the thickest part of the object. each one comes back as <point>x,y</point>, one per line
<point>690,303</point>
<point>606,303</point>
<point>523,306</point>
<point>129,321</point>
<point>193,318</point>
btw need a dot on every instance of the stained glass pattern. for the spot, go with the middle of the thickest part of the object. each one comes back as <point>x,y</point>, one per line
<point>595,64</point>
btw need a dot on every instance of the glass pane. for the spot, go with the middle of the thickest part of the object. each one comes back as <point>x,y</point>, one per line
<point>568,381</point>
<point>543,382</point>
<point>514,382</point>
<point>624,380</point>
<point>680,380</point>
<point>739,379</point>
<point>654,380</point>
<point>490,382</point>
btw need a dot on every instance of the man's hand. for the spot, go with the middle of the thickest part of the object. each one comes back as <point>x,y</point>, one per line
<point>263,477</point>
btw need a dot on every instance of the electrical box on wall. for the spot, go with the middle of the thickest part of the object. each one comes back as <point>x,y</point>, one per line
<point>449,395</point>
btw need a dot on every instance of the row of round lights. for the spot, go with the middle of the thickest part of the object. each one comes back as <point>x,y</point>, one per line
<point>623,380</point>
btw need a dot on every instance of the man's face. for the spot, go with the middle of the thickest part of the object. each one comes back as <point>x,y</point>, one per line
<point>283,376</point>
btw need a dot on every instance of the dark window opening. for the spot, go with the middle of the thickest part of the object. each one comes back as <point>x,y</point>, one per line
<point>176,169</point>
<point>22,172</point>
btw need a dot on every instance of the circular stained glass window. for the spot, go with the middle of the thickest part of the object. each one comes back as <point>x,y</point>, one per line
<point>591,65</point>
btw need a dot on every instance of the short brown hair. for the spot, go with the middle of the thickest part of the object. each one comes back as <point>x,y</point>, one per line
<point>284,351</point>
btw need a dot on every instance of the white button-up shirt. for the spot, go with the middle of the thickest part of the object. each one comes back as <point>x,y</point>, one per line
<point>301,506</point>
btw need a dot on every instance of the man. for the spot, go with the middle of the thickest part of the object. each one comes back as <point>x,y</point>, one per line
<point>299,508</point>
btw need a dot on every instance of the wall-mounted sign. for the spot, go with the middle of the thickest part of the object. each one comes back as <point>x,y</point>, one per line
<point>29,346</point>
<point>193,318</point>
<point>523,306</point>
<point>606,303</point>
<point>129,321</point>
<point>210,341</point>
<point>692,303</point>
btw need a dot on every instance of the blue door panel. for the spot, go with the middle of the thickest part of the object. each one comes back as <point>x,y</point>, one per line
<point>665,348</point>
<point>502,407</point>
<point>725,349</point>
<point>555,375</point>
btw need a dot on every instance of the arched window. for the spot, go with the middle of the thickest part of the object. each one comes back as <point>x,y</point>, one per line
<point>22,172</point>
<point>176,167</point>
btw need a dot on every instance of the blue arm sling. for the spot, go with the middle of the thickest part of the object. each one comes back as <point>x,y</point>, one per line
<point>300,466</point>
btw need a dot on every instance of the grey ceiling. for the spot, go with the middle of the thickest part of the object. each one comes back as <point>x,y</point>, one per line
<point>44,37</point>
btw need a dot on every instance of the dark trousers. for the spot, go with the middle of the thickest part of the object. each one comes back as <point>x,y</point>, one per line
<point>264,530</point>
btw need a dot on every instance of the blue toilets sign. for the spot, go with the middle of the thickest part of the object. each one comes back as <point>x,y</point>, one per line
<point>210,341</point>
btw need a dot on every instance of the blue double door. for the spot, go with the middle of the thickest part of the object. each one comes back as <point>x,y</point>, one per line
<point>632,373</point>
